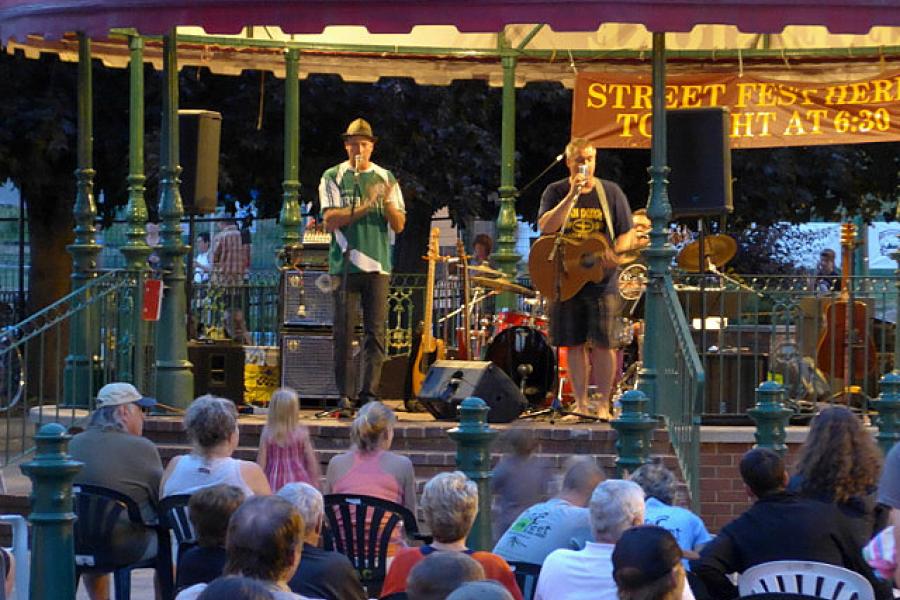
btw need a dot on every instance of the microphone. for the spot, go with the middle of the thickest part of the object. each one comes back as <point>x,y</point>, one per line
<point>356,160</point>
<point>582,170</point>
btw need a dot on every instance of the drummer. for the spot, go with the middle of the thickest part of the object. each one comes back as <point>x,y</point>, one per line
<point>586,323</point>
<point>481,250</point>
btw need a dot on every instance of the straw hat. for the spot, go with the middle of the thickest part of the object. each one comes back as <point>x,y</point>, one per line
<point>361,128</point>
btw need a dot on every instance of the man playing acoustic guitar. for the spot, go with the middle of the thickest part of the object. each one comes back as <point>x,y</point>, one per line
<point>587,323</point>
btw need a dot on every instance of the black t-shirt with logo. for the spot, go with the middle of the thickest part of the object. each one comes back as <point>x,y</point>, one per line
<point>587,219</point>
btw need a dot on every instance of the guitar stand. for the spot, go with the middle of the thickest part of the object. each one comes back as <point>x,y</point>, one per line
<point>557,409</point>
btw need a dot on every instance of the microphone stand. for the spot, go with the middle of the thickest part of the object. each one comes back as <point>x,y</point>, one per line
<point>557,409</point>
<point>345,406</point>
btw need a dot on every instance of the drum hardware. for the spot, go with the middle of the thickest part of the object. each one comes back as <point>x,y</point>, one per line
<point>717,249</point>
<point>486,270</point>
<point>480,296</point>
<point>503,285</point>
<point>632,281</point>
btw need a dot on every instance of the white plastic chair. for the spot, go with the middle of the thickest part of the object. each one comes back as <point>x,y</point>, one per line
<point>20,552</point>
<point>813,579</point>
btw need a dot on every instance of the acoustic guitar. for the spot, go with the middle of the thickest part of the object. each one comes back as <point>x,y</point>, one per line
<point>431,349</point>
<point>846,348</point>
<point>578,261</point>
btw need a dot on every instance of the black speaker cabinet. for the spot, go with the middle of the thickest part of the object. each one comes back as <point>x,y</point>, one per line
<point>731,380</point>
<point>449,382</point>
<point>303,303</point>
<point>218,369</point>
<point>199,132</point>
<point>699,156</point>
<point>307,365</point>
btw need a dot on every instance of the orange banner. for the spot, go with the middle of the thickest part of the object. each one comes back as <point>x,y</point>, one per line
<point>614,110</point>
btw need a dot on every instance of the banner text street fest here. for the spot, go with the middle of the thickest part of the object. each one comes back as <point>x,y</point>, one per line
<point>614,110</point>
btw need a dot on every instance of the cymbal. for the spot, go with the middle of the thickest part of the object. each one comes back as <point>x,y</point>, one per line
<point>486,270</point>
<point>502,285</point>
<point>719,249</point>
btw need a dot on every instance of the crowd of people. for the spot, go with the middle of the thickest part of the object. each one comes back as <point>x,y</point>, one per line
<point>259,524</point>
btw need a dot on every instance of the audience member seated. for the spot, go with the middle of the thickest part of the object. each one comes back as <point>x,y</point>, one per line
<point>211,425</point>
<point>561,522</point>
<point>840,463</point>
<point>264,542</point>
<point>236,588</point>
<point>480,590</point>
<point>440,573</point>
<point>647,565</point>
<point>115,456</point>
<point>779,526</point>
<point>449,505</point>
<point>369,467</point>
<point>8,571</point>
<point>659,484</point>
<point>615,506</point>
<point>209,509</point>
<point>519,480</point>
<point>322,573</point>
<point>889,495</point>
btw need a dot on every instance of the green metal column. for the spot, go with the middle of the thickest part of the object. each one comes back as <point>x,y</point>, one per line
<point>634,429</point>
<point>505,254</point>
<point>659,253</point>
<point>52,543</point>
<point>888,408</point>
<point>135,249</point>
<point>78,373</point>
<point>291,222</point>
<point>174,377</point>
<point>473,440</point>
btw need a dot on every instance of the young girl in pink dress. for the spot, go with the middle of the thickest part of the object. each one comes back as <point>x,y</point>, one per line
<point>286,454</point>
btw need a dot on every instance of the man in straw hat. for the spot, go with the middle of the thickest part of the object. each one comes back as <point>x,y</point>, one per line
<point>362,207</point>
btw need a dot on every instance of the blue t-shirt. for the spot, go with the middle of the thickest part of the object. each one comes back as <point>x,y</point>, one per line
<point>543,528</point>
<point>687,528</point>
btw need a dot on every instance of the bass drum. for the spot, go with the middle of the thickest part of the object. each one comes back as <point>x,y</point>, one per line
<point>517,346</point>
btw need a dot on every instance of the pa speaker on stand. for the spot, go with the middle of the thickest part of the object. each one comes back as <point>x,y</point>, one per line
<point>199,133</point>
<point>449,382</point>
<point>699,157</point>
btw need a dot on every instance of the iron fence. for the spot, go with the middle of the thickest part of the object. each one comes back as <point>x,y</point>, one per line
<point>789,329</point>
<point>36,366</point>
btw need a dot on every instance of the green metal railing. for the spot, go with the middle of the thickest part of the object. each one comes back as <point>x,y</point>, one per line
<point>681,380</point>
<point>33,355</point>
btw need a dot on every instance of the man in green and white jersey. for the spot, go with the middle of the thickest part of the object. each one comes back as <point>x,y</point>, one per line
<point>362,207</point>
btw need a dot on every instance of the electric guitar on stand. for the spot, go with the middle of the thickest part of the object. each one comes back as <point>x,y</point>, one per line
<point>431,349</point>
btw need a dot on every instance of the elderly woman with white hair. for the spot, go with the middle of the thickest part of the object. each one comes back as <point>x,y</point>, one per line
<point>615,507</point>
<point>322,573</point>
<point>211,424</point>
<point>450,505</point>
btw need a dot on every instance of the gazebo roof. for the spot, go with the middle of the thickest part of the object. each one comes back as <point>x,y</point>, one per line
<point>52,18</point>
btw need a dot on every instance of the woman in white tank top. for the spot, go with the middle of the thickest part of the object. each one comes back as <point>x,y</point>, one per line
<point>211,425</point>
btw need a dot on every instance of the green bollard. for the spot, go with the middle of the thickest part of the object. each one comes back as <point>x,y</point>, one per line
<point>52,517</point>
<point>771,417</point>
<point>635,429</point>
<point>473,440</point>
<point>888,407</point>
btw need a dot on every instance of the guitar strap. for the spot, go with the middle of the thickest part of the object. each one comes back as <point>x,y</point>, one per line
<point>604,206</point>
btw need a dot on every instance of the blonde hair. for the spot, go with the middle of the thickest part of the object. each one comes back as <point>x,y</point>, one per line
<point>371,424</point>
<point>450,505</point>
<point>282,418</point>
<point>576,146</point>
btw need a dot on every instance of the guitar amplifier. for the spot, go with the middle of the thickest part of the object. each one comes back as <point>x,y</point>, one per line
<point>307,365</point>
<point>303,303</point>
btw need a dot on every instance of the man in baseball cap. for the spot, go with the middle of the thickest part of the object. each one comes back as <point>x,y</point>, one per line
<point>116,456</point>
<point>647,564</point>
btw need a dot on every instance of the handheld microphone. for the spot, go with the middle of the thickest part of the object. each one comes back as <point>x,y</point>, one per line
<point>583,171</point>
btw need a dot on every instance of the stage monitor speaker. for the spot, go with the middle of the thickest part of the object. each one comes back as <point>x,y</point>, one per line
<point>199,132</point>
<point>307,365</point>
<point>699,156</point>
<point>303,303</point>
<point>449,382</point>
<point>218,369</point>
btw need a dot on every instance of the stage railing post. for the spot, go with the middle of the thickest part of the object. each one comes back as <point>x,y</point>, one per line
<point>473,440</point>
<point>52,518</point>
<point>634,427</point>
<point>771,417</point>
<point>888,408</point>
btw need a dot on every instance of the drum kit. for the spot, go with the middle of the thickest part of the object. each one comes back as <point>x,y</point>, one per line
<point>518,341</point>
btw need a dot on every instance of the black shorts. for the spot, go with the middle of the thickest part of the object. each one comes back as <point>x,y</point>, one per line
<point>592,315</point>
